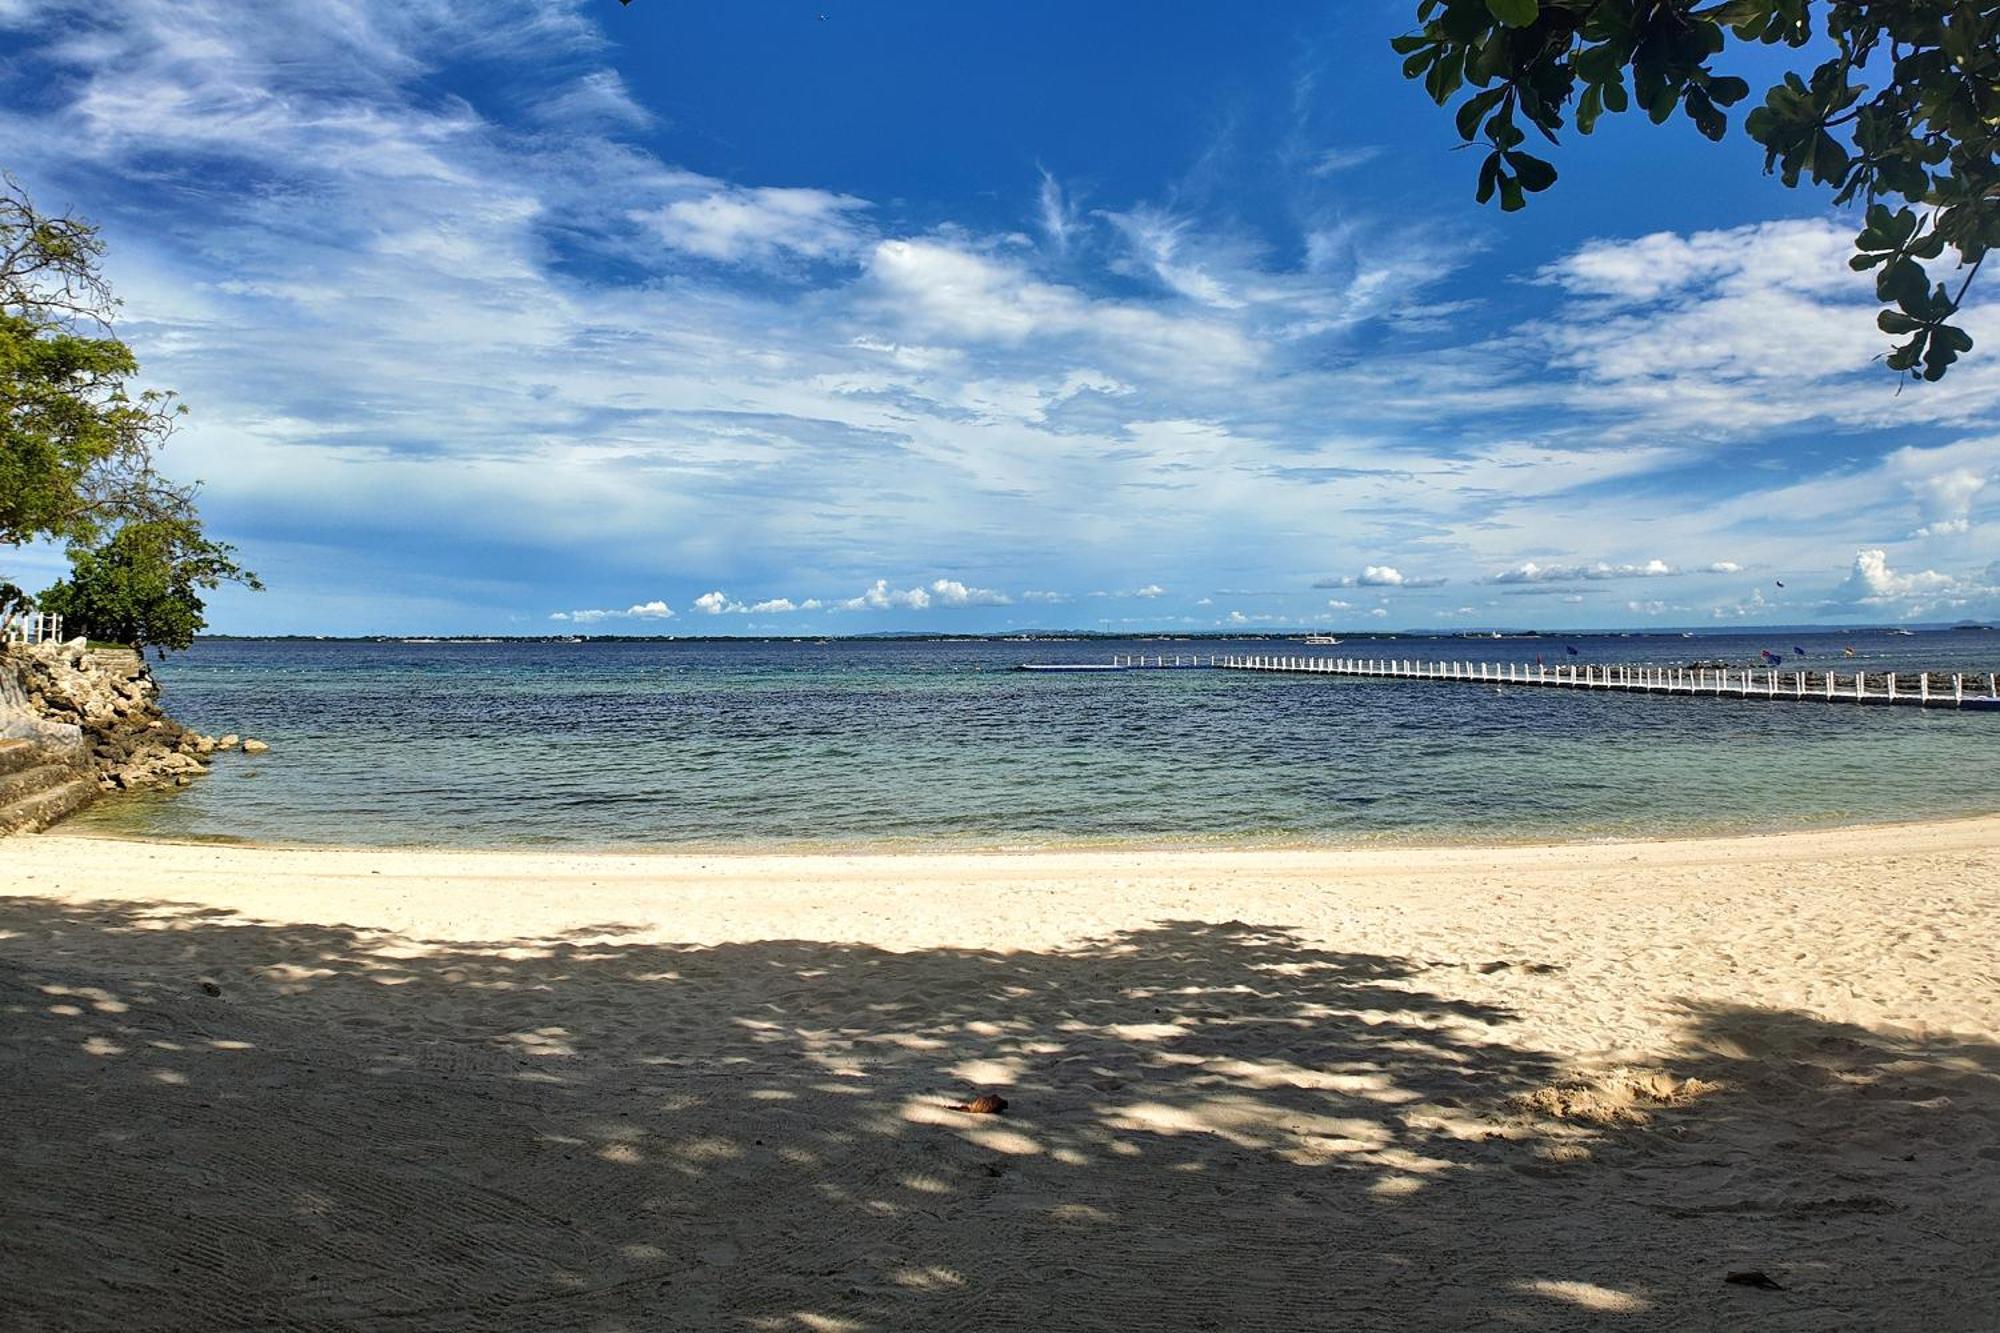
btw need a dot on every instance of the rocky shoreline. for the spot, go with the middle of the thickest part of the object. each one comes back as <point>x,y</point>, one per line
<point>96,713</point>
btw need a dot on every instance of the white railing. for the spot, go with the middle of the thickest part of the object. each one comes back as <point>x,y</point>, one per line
<point>1766,683</point>
<point>33,627</point>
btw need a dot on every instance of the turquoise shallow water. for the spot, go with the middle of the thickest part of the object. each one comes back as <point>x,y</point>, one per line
<point>944,744</point>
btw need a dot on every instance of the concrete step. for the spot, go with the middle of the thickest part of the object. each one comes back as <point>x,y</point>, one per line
<point>16,755</point>
<point>39,809</point>
<point>27,781</point>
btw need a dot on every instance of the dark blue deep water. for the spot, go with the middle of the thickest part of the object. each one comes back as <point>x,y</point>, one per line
<point>854,743</point>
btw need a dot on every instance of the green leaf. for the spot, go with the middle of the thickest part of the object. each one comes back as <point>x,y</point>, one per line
<point>1727,91</point>
<point>1514,13</point>
<point>1475,109</point>
<point>1589,107</point>
<point>1489,176</point>
<point>1535,175</point>
<point>1905,283</point>
<point>1511,198</point>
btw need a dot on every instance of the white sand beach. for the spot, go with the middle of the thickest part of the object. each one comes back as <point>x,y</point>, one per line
<point>1534,1087</point>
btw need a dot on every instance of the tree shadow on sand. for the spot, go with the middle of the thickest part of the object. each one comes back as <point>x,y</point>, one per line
<point>1212,1126</point>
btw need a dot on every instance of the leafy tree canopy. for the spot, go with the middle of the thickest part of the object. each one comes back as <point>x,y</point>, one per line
<point>78,445</point>
<point>142,585</point>
<point>1903,117</point>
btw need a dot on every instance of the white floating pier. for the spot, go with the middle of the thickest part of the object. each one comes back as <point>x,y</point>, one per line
<point>1917,689</point>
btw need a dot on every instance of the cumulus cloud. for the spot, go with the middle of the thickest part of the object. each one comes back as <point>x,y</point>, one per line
<point>654,610</point>
<point>1870,582</point>
<point>715,603</point>
<point>879,596</point>
<point>1379,576</point>
<point>950,592</point>
<point>719,603</point>
<point>1945,497</point>
<point>1531,572</point>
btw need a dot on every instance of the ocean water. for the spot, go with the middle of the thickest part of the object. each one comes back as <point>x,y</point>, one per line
<point>870,743</point>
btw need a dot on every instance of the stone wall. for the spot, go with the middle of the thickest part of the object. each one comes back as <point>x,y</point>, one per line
<point>109,702</point>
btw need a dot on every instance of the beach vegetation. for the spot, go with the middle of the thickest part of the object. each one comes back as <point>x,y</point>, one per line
<point>1901,119</point>
<point>80,439</point>
<point>142,585</point>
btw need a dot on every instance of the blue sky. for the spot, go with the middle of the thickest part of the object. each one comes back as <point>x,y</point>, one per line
<point>516,317</point>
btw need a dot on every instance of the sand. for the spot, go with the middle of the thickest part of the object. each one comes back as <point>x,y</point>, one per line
<point>1567,1087</point>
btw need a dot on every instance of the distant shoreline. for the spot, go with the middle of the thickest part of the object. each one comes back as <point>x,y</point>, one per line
<point>1293,633</point>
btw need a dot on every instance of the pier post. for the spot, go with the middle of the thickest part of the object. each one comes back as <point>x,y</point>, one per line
<point>1892,685</point>
<point>1924,689</point>
<point>1958,690</point>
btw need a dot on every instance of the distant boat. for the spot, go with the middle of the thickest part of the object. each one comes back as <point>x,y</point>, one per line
<point>1906,633</point>
<point>1322,640</point>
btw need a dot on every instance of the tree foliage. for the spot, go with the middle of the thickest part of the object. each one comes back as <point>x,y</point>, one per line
<point>78,444</point>
<point>1903,117</point>
<point>78,448</point>
<point>143,585</point>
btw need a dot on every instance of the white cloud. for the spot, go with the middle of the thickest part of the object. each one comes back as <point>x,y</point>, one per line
<point>1804,256</point>
<point>1531,572</point>
<point>1871,583</point>
<point>1331,160</point>
<point>1159,242</point>
<point>947,291</point>
<point>1335,604</point>
<point>1057,217</point>
<point>715,603</point>
<point>654,610</point>
<point>1379,576</point>
<point>950,592</point>
<point>1751,606</point>
<point>736,225</point>
<point>942,592</point>
<point>718,603</point>
<point>598,98</point>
